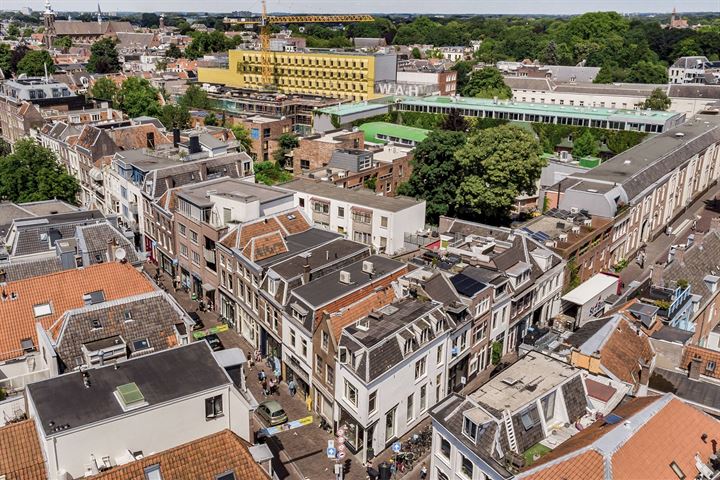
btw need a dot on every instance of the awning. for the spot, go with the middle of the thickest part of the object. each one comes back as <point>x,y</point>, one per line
<point>207,287</point>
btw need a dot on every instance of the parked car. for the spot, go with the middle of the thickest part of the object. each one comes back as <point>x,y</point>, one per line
<point>272,413</point>
<point>214,342</point>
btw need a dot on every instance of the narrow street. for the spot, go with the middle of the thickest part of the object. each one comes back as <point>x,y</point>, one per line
<point>299,453</point>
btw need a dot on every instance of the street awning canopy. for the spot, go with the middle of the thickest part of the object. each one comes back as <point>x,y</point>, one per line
<point>207,287</point>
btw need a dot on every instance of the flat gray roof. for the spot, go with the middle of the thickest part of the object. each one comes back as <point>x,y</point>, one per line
<point>526,380</point>
<point>233,188</point>
<point>160,377</point>
<point>362,197</point>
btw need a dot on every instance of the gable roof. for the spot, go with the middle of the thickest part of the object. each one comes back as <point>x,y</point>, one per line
<point>135,136</point>
<point>275,228</point>
<point>202,459</point>
<point>20,455</point>
<point>696,264</point>
<point>653,433</point>
<point>153,318</point>
<point>63,291</point>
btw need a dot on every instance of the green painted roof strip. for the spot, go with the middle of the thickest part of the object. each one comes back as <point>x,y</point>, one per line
<point>372,129</point>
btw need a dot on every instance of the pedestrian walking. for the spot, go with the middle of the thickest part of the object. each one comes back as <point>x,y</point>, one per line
<point>261,375</point>
<point>292,387</point>
<point>271,386</point>
<point>372,472</point>
<point>251,361</point>
<point>265,387</point>
<point>423,472</point>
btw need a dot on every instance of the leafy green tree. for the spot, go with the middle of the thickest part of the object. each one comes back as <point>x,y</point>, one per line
<point>13,30</point>
<point>647,72</point>
<point>31,173</point>
<point>104,57</point>
<point>498,164</point>
<point>658,100</point>
<point>27,32</point>
<point>175,116</point>
<point>34,62</point>
<point>243,136</point>
<point>436,173</point>
<point>585,145</point>
<point>211,120</point>
<point>286,143</point>
<point>455,122</point>
<point>195,97</point>
<point>184,27</point>
<point>63,43</point>
<point>149,20</point>
<point>270,173</point>
<point>104,89</point>
<point>16,56</point>
<point>138,98</point>
<point>487,83</point>
<point>173,51</point>
<point>463,69</point>
<point>5,58</point>
<point>416,53</point>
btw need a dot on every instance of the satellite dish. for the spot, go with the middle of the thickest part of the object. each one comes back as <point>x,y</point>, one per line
<point>120,254</point>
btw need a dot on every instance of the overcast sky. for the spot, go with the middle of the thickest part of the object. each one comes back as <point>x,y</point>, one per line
<point>381,6</point>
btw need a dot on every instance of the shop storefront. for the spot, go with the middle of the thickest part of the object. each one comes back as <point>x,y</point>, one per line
<point>167,264</point>
<point>354,432</point>
<point>294,371</point>
<point>227,310</point>
<point>271,348</point>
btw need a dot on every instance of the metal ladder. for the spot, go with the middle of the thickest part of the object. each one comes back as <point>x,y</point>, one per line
<point>510,429</point>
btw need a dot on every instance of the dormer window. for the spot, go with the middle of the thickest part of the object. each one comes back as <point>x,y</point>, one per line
<point>273,286</point>
<point>343,354</point>
<point>470,429</point>
<point>407,349</point>
<point>424,335</point>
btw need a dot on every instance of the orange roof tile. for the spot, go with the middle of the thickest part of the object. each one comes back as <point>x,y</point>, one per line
<point>360,309</point>
<point>63,291</point>
<point>20,454</point>
<point>705,355</point>
<point>135,136</point>
<point>202,459</point>
<point>265,246</point>
<point>673,433</point>
<point>296,224</point>
<point>256,229</point>
<point>624,352</point>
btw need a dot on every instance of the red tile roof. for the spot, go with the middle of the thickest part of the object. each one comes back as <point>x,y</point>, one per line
<point>63,291</point>
<point>709,360</point>
<point>654,435</point>
<point>599,390</point>
<point>625,351</point>
<point>20,455</point>
<point>282,224</point>
<point>202,459</point>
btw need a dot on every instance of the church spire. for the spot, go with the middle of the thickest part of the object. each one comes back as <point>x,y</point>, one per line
<point>49,24</point>
<point>99,14</point>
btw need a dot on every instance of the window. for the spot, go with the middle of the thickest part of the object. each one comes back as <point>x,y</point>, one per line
<point>384,222</point>
<point>182,229</point>
<point>194,237</point>
<point>321,207</point>
<point>196,258</point>
<point>470,429</point>
<point>42,309</point>
<point>153,472</point>
<point>341,212</point>
<point>329,375</point>
<point>390,424</point>
<point>420,368</point>
<point>439,356</point>
<point>423,398</point>
<point>710,366</point>
<point>319,365</point>
<point>304,347</point>
<point>213,407</point>
<point>372,402</point>
<point>301,202</point>
<point>351,394</point>
<point>424,335</point>
<point>292,338</point>
<point>226,476</point>
<point>325,341</point>
<point>479,333</point>
<point>438,387</point>
<point>183,250</point>
<point>466,466</point>
<point>410,407</point>
<point>445,448</point>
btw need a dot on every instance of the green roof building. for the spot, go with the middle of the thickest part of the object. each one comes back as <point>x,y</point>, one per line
<point>384,132</point>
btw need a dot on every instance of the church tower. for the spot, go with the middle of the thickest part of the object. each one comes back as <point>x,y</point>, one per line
<point>49,24</point>
<point>162,21</point>
<point>99,15</point>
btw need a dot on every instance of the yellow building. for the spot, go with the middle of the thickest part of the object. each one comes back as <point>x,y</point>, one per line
<point>350,76</point>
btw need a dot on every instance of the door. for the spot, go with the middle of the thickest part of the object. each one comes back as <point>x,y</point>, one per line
<point>390,425</point>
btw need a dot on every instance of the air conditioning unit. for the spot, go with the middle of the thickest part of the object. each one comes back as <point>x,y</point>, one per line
<point>345,277</point>
<point>574,210</point>
<point>563,237</point>
<point>576,229</point>
<point>368,267</point>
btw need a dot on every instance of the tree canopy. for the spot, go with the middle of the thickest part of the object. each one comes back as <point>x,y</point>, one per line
<point>175,116</point>
<point>487,83</point>
<point>585,145</point>
<point>104,89</point>
<point>31,173</point>
<point>103,57</point>
<point>138,98</point>
<point>34,62</point>
<point>658,100</point>
<point>498,164</point>
<point>173,51</point>
<point>243,136</point>
<point>195,97</point>
<point>63,43</point>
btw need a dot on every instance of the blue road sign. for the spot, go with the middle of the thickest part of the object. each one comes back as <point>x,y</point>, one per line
<point>396,447</point>
<point>331,452</point>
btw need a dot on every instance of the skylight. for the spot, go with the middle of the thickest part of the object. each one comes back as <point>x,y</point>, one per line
<point>129,396</point>
<point>42,309</point>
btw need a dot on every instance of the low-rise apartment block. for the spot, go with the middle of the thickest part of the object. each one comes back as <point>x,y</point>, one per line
<point>315,151</point>
<point>378,221</point>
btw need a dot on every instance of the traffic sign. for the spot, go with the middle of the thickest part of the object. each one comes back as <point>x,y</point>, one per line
<point>341,440</point>
<point>341,448</point>
<point>396,447</point>
<point>331,452</point>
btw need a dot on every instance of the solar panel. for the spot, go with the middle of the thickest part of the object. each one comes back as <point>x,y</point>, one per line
<point>612,419</point>
<point>465,285</point>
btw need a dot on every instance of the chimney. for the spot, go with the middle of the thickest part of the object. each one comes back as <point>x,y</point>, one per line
<point>111,245</point>
<point>306,271</point>
<point>657,275</point>
<point>694,368</point>
<point>644,373</point>
<point>195,144</point>
<point>176,137</point>
<point>699,239</point>
<point>679,256</point>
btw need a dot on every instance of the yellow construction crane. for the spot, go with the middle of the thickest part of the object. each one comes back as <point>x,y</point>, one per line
<point>265,20</point>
